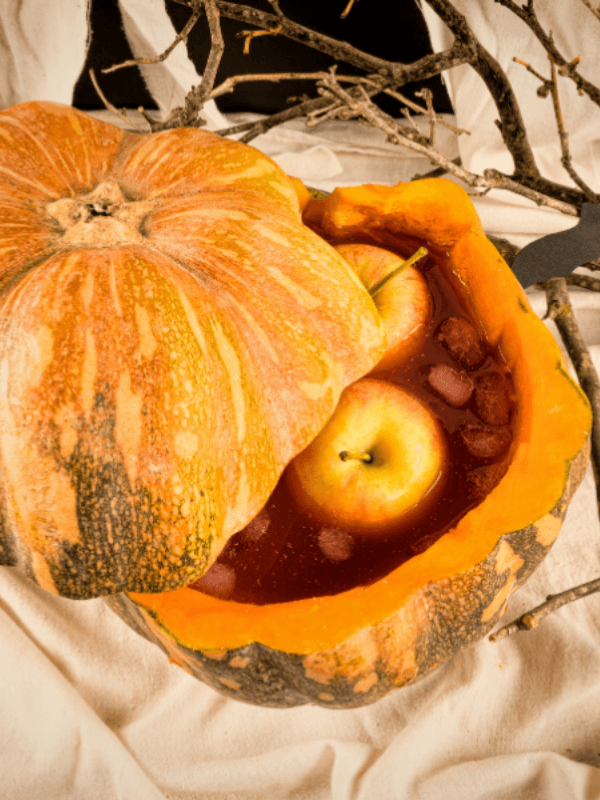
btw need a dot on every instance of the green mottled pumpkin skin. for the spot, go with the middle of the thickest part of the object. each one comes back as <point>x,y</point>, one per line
<point>399,650</point>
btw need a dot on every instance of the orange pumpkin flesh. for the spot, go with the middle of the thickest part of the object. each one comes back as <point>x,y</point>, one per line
<point>524,511</point>
<point>172,336</point>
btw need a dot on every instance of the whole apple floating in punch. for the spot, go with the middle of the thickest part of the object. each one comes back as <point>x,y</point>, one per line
<point>400,293</point>
<point>177,329</point>
<point>380,454</point>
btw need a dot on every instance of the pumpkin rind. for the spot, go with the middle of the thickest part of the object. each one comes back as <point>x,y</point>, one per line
<point>437,621</point>
<point>353,648</point>
<point>171,336</point>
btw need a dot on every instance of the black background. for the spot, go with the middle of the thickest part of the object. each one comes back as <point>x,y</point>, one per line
<point>395,32</point>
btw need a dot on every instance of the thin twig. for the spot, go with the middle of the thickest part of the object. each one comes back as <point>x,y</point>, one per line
<point>188,114</point>
<point>216,53</point>
<point>566,68</point>
<point>550,87</point>
<point>229,84</point>
<point>546,84</point>
<point>181,37</point>
<point>491,179</point>
<point>413,124</point>
<point>122,116</point>
<point>420,110</point>
<point>510,123</point>
<point>348,8</point>
<point>255,128</point>
<point>595,11</point>
<point>560,310</point>
<point>334,111</point>
<point>427,95</point>
<point>248,36</point>
<point>304,109</point>
<point>584,282</point>
<point>566,159</point>
<point>394,73</point>
<point>552,603</point>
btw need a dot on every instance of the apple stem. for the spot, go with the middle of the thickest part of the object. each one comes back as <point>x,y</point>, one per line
<point>350,455</point>
<point>421,252</point>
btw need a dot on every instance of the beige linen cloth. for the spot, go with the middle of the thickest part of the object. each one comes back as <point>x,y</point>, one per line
<point>90,711</point>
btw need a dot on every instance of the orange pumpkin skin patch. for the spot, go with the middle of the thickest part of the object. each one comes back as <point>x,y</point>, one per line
<point>172,336</point>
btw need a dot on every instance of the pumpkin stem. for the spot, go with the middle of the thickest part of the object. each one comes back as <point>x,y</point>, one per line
<point>352,455</point>
<point>421,252</point>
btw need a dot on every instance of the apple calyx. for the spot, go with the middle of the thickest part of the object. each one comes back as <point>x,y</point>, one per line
<point>379,461</point>
<point>351,455</point>
<point>421,252</point>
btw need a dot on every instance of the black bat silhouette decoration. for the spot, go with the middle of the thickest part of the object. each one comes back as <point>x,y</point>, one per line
<point>558,254</point>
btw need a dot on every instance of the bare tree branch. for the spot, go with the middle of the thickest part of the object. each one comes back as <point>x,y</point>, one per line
<point>567,68</point>
<point>550,87</point>
<point>188,115</point>
<point>583,282</point>
<point>420,110</point>
<point>306,108</point>
<point>122,116</point>
<point>216,54</point>
<point>566,159</point>
<point>491,179</point>
<point>595,11</point>
<point>560,310</point>
<point>552,603</point>
<point>229,84</point>
<point>181,37</point>
<point>394,73</point>
<point>510,124</point>
<point>348,8</point>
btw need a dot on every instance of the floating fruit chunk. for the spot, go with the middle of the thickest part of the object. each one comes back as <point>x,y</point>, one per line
<point>491,398</point>
<point>454,385</point>
<point>462,341</point>
<point>381,453</point>
<point>218,581</point>
<point>256,528</point>
<point>482,480</point>
<point>486,442</point>
<point>335,544</point>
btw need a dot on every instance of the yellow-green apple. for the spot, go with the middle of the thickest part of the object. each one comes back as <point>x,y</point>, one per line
<point>380,454</point>
<point>403,301</point>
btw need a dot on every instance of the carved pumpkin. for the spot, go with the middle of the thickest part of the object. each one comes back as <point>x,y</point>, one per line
<point>353,648</point>
<point>171,336</point>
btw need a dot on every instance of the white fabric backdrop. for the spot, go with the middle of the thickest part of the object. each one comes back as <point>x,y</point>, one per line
<point>89,710</point>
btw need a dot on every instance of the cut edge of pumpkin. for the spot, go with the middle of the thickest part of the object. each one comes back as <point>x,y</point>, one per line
<point>201,622</point>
